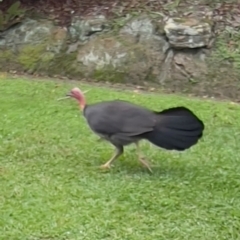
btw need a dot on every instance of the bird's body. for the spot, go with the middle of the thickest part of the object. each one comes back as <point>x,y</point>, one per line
<point>119,122</point>
<point>123,123</point>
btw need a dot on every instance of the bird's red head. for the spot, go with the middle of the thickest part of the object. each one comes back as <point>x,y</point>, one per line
<point>79,96</point>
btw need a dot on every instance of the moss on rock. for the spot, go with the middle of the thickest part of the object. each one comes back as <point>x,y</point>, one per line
<point>227,49</point>
<point>109,74</point>
<point>6,55</point>
<point>7,60</point>
<point>65,64</point>
<point>30,56</point>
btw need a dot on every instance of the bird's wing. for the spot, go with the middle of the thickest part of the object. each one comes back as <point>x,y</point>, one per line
<point>119,117</point>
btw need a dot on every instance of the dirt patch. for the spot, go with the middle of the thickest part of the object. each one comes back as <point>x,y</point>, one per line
<point>136,89</point>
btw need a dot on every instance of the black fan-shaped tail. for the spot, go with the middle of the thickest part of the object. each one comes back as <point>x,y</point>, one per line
<point>176,129</point>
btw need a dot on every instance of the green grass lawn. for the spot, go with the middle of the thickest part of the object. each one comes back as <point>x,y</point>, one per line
<point>51,186</point>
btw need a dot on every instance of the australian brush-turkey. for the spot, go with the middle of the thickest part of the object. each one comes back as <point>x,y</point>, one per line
<point>122,123</point>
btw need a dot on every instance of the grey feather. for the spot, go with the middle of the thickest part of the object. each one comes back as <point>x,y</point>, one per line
<point>119,119</point>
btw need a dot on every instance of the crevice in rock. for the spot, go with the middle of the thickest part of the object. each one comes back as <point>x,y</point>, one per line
<point>166,66</point>
<point>183,71</point>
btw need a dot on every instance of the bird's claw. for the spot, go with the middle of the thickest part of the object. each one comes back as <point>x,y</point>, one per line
<point>150,169</point>
<point>105,166</point>
<point>145,164</point>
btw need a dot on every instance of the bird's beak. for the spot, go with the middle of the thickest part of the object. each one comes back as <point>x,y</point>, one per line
<point>69,95</point>
<point>63,98</point>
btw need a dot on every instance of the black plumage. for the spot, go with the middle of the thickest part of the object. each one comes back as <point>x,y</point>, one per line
<point>122,123</point>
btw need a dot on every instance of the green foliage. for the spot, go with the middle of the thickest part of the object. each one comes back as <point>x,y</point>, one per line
<point>109,74</point>
<point>51,187</point>
<point>173,5</point>
<point>6,55</point>
<point>31,56</point>
<point>65,64</point>
<point>13,15</point>
<point>228,48</point>
<point>7,59</point>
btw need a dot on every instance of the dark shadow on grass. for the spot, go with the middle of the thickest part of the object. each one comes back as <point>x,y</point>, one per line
<point>181,171</point>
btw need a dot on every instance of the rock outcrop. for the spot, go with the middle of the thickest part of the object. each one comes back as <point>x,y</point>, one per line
<point>175,52</point>
<point>188,32</point>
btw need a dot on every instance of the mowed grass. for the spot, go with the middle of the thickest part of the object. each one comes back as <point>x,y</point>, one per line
<point>51,186</point>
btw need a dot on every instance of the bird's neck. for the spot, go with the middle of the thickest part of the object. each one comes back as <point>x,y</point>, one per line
<point>81,101</point>
<point>81,106</point>
<point>84,109</point>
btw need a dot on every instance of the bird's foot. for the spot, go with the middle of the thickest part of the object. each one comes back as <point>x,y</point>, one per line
<point>105,166</point>
<point>145,164</point>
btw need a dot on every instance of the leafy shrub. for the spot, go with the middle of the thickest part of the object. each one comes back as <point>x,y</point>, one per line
<point>13,15</point>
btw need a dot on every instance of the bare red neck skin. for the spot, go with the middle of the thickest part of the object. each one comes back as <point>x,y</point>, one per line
<point>81,100</point>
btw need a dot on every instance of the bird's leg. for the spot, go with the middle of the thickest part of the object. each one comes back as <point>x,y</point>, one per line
<point>118,152</point>
<point>141,158</point>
